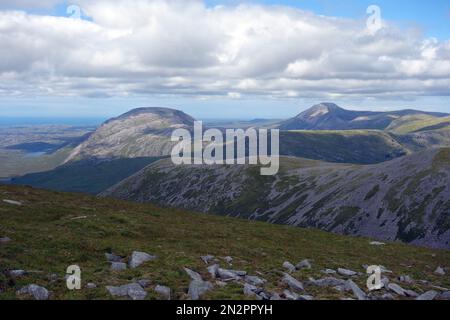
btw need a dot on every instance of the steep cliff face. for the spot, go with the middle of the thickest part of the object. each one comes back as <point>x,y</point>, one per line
<point>405,199</point>
<point>142,132</point>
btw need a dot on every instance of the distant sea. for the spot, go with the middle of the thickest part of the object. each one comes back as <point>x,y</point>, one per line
<point>29,121</point>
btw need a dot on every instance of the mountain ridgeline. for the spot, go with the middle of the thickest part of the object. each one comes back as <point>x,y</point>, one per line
<point>405,199</point>
<point>329,116</point>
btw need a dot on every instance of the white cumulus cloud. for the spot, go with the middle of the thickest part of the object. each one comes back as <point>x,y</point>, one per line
<point>175,47</point>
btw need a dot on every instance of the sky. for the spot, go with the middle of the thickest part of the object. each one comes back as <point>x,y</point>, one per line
<point>222,59</point>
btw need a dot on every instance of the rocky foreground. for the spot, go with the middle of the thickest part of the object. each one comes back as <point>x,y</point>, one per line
<point>132,251</point>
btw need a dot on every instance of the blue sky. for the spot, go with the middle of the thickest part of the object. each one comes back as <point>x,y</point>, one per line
<point>85,91</point>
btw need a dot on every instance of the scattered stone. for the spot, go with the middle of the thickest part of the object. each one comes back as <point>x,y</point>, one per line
<point>293,283</point>
<point>356,290</point>
<point>429,295</point>
<point>213,270</point>
<point>384,269</point>
<point>305,297</point>
<point>5,240</point>
<point>132,290</point>
<point>227,275</point>
<point>194,275</point>
<point>406,279</point>
<point>138,258</point>
<point>377,243</point>
<point>17,273</point>
<point>91,285</point>
<point>118,266</point>
<point>207,259</point>
<point>112,257</point>
<point>53,277</point>
<point>38,292</point>
<point>254,280</point>
<point>290,295</point>
<point>144,283</point>
<point>228,259</point>
<point>289,266</point>
<point>263,296</point>
<point>249,290</point>
<point>385,281</point>
<point>411,293</point>
<point>275,296</point>
<point>445,295</point>
<point>396,288</point>
<point>440,271</point>
<point>14,203</point>
<point>329,271</point>
<point>305,264</point>
<point>197,288</point>
<point>387,296</point>
<point>221,284</point>
<point>163,291</point>
<point>346,272</point>
<point>328,282</point>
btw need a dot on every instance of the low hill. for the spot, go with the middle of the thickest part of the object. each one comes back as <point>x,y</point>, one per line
<point>49,231</point>
<point>405,199</point>
<point>87,175</point>
<point>419,123</point>
<point>329,116</point>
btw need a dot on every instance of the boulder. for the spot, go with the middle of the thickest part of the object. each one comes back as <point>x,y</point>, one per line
<point>293,283</point>
<point>12,202</point>
<point>356,290</point>
<point>227,275</point>
<point>38,292</point>
<point>429,295</point>
<point>213,270</point>
<point>305,264</point>
<point>138,258</point>
<point>346,272</point>
<point>207,259</point>
<point>445,295</point>
<point>17,273</point>
<point>132,290</point>
<point>163,291</point>
<point>254,280</point>
<point>439,271</point>
<point>228,259</point>
<point>4,240</point>
<point>112,257</point>
<point>329,271</point>
<point>194,275</point>
<point>396,289</point>
<point>289,266</point>
<point>118,266</point>
<point>144,283</point>
<point>197,288</point>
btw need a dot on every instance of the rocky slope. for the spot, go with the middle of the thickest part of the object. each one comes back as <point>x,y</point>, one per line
<point>133,251</point>
<point>142,132</point>
<point>329,116</point>
<point>404,199</point>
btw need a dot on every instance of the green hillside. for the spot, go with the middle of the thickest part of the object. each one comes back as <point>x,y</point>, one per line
<point>418,123</point>
<point>51,231</point>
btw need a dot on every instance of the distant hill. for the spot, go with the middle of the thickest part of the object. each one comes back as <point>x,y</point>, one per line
<point>329,116</point>
<point>142,132</point>
<point>404,199</point>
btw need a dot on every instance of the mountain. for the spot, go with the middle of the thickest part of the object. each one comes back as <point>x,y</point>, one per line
<point>329,116</point>
<point>90,175</point>
<point>142,132</point>
<point>50,231</point>
<point>405,199</point>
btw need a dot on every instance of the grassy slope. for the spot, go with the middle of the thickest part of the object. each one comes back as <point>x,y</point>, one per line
<point>46,240</point>
<point>417,123</point>
<point>343,146</point>
<point>89,176</point>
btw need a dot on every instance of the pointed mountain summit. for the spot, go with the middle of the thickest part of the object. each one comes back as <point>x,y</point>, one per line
<point>329,116</point>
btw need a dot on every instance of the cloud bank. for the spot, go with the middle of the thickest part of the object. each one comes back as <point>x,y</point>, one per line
<point>184,48</point>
